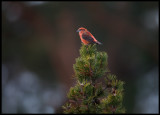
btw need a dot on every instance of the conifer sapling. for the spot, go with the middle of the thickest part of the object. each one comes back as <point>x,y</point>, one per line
<point>89,95</point>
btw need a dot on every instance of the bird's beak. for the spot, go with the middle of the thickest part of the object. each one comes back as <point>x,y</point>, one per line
<point>78,30</point>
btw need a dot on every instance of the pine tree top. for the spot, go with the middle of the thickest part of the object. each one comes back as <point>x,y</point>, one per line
<point>90,64</point>
<point>88,95</point>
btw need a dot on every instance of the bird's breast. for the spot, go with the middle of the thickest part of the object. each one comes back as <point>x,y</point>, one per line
<point>85,41</point>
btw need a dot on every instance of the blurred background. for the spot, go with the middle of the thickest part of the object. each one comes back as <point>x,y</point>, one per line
<point>40,44</point>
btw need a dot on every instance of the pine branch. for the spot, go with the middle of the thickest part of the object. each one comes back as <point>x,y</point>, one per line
<point>89,96</point>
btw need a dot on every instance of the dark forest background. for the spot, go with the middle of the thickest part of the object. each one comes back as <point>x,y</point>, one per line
<point>40,44</point>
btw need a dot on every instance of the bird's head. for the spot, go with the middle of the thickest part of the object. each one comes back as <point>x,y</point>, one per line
<point>81,29</point>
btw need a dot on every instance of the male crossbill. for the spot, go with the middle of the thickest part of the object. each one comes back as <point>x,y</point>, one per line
<point>86,37</point>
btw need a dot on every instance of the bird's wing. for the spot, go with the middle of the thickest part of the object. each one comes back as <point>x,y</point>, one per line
<point>87,37</point>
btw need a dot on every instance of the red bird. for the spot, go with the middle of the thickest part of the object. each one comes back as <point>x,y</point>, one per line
<point>87,37</point>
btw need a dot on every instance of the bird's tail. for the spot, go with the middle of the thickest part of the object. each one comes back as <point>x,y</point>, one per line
<point>99,43</point>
